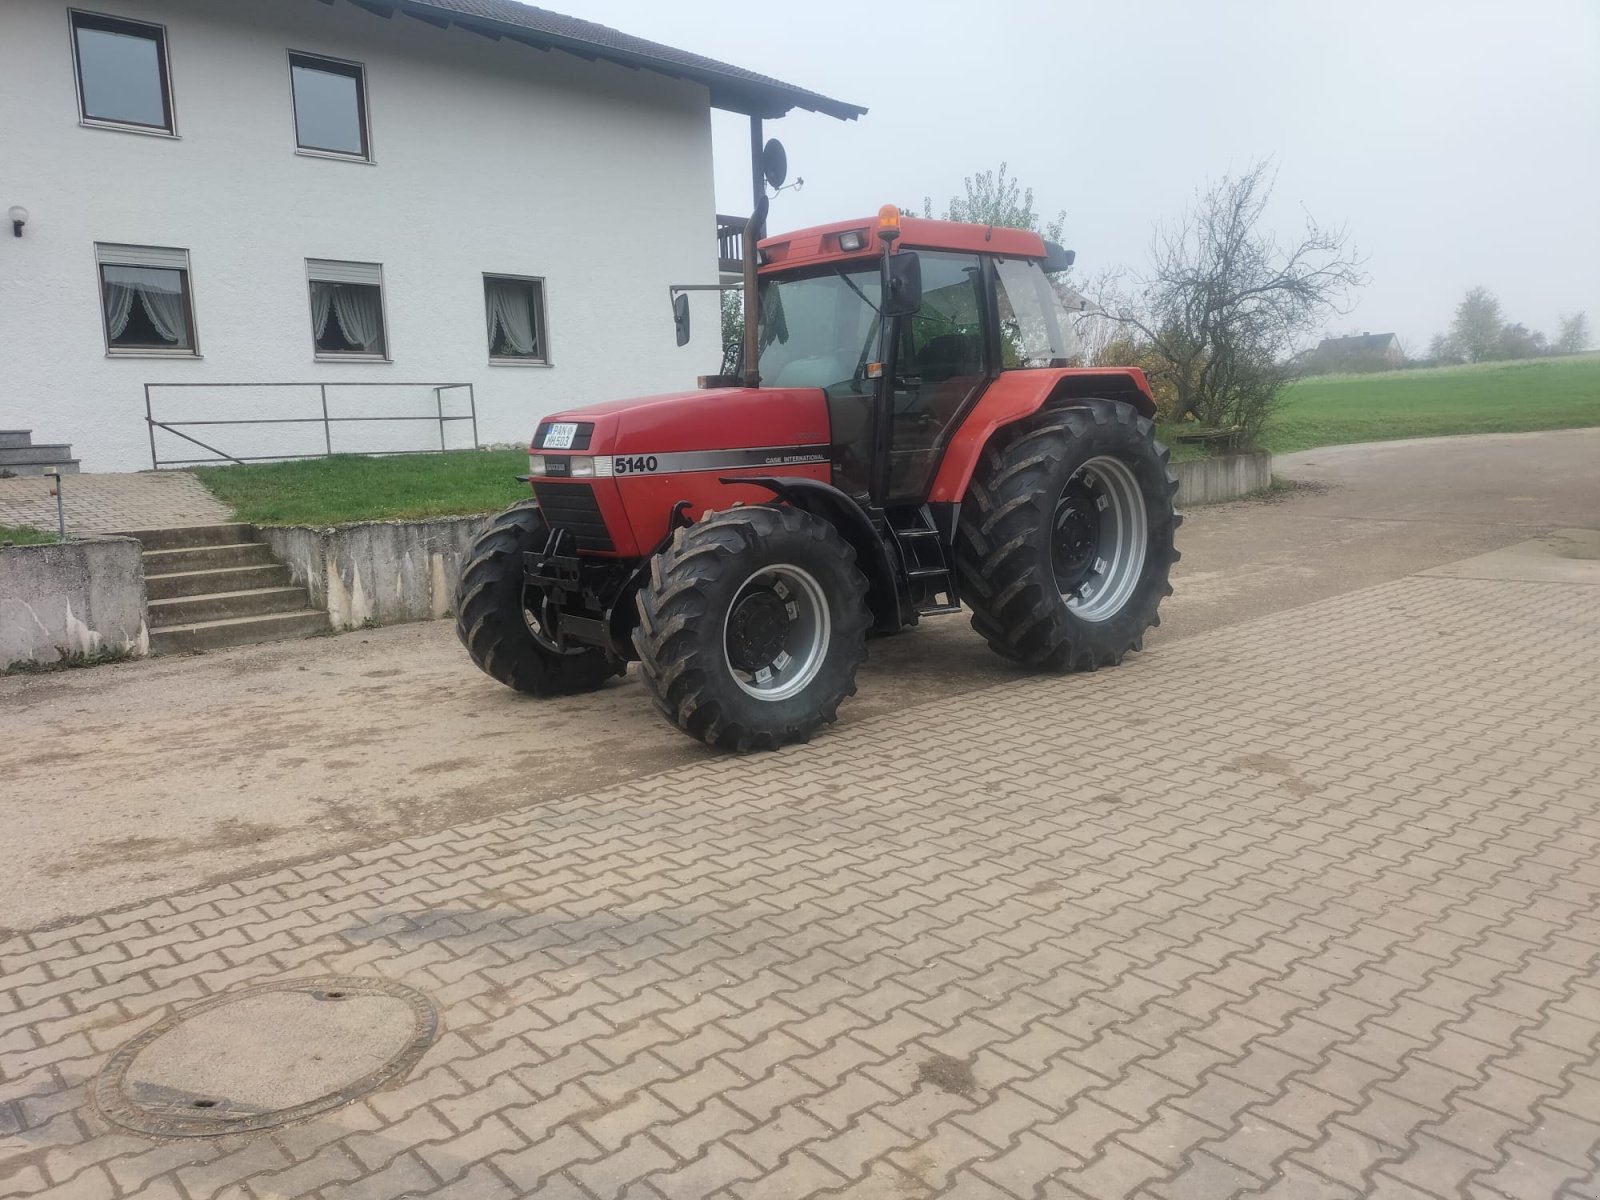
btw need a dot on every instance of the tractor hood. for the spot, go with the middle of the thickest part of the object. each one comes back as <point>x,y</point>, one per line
<point>683,422</point>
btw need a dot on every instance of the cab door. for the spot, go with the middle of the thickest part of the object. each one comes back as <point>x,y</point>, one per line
<point>940,361</point>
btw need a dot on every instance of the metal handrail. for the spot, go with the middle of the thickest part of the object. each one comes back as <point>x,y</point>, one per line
<point>325,420</point>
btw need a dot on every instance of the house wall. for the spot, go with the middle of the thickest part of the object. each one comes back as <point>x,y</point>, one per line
<point>489,157</point>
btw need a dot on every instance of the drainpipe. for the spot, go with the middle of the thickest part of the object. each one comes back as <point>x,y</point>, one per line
<point>752,234</point>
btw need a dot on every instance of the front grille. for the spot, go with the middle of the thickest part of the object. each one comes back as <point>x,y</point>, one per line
<point>572,506</point>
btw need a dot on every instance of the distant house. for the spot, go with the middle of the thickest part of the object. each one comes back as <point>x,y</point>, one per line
<point>1359,352</point>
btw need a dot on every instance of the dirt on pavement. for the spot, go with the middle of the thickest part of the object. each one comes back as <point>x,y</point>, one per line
<point>136,780</point>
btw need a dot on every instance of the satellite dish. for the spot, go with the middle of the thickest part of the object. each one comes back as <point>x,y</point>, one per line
<point>774,163</point>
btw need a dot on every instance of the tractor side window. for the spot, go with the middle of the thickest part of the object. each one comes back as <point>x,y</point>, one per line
<point>1036,315</point>
<point>939,363</point>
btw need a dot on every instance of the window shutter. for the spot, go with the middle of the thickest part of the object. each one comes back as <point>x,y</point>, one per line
<point>324,270</point>
<point>142,256</point>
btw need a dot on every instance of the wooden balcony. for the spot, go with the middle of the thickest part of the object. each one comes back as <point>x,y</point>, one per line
<point>730,244</point>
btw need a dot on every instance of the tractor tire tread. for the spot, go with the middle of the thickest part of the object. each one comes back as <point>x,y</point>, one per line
<point>494,631</point>
<point>1006,578</point>
<point>674,606</point>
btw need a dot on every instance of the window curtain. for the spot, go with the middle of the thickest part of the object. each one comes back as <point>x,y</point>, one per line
<point>160,294</point>
<point>360,315</point>
<point>357,308</point>
<point>165,310</point>
<point>321,308</point>
<point>119,307</point>
<point>511,312</point>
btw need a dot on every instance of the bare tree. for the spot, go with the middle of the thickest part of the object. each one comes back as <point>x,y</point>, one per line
<point>1574,335</point>
<point>993,199</point>
<point>1477,325</point>
<point>1224,303</point>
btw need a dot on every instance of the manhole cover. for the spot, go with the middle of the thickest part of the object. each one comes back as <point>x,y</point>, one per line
<point>266,1056</point>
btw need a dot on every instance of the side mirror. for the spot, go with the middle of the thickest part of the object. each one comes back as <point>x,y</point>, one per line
<point>680,317</point>
<point>902,284</point>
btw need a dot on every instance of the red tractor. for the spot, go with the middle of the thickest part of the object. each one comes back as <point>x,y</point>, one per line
<point>905,438</point>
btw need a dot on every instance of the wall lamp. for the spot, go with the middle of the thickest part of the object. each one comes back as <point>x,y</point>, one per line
<point>19,218</point>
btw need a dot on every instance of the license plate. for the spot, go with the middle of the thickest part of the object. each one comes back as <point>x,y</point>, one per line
<point>559,437</point>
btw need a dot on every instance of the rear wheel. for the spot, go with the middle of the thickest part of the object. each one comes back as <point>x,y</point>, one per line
<point>1066,538</point>
<point>512,630</point>
<point>752,626</point>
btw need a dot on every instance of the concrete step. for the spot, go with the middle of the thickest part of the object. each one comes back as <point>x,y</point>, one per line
<point>10,439</point>
<point>69,467</point>
<point>236,631</point>
<point>187,537</point>
<point>13,455</point>
<point>216,579</point>
<point>206,558</point>
<point>256,602</point>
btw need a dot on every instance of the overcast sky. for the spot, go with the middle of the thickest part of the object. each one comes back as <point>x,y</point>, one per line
<point>1459,140</point>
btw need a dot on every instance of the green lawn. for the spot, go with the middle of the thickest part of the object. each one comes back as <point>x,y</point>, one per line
<point>350,487</point>
<point>1510,397</point>
<point>25,535</point>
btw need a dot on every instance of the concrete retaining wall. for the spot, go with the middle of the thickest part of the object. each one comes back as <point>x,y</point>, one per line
<point>380,572</point>
<point>1225,477</point>
<point>69,599</point>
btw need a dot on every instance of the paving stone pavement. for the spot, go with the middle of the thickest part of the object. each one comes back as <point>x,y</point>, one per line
<point>111,503</point>
<point>1304,907</point>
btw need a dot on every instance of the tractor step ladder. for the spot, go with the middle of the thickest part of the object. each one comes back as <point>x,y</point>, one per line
<point>928,569</point>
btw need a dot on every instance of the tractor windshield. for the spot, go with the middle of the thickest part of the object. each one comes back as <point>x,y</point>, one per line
<point>818,330</point>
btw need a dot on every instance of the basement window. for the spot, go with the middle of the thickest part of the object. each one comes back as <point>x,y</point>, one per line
<point>347,309</point>
<point>330,106</point>
<point>514,308</point>
<point>122,73</point>
<point>145,300</point>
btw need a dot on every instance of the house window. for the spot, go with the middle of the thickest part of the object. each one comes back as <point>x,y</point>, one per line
<point>122,72</point>
<point>145,297</point>
<point>347,309</point>
<point>330,106</point>
<point>514,306</point>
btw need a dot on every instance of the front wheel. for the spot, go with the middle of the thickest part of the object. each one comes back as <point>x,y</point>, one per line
<point>1066,538</point>
<point>509,628</point>
<point>751,627</point>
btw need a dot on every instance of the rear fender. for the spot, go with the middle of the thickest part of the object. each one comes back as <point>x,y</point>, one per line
<point>890,610</point>
<point>1018,395</point>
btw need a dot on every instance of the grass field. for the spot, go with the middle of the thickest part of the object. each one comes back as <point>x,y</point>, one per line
<point>25,535</point>
<point>1511,397</point>
<point>349,487</point>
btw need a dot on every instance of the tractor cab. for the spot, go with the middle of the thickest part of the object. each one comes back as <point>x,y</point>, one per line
<point>965,303</point>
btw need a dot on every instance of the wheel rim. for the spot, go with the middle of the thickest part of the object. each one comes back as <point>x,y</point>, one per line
<point>775,635</point>
<point>1098,538</point>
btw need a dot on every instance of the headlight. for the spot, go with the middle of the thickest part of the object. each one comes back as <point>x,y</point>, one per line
<point>568,466</point>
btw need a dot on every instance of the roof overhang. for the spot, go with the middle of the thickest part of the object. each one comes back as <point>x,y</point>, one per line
<point>732,88</point>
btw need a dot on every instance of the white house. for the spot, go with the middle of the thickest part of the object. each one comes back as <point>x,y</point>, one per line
<point>407,193</point>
